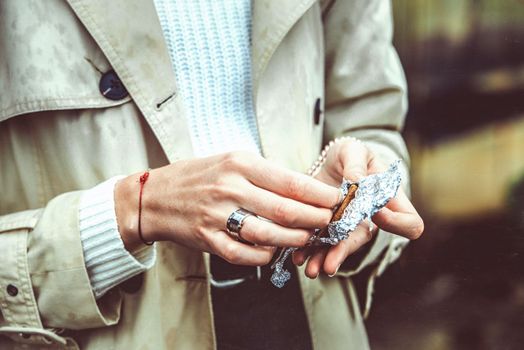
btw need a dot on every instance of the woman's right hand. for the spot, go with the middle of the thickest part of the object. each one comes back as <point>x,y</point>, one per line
<point>189,202</point>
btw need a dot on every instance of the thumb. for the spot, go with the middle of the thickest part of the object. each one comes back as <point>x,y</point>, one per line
<point>354,158</point>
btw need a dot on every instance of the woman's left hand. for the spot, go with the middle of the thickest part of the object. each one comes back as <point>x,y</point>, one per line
<point>352,160</point>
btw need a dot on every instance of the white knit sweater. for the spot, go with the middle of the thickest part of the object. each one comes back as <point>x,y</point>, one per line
<point>209,45</point>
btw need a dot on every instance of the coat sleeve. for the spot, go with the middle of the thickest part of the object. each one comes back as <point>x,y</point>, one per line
<point>366,97</point>
<point>44,283</point>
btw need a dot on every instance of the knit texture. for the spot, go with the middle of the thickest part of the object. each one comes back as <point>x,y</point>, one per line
<point>209,45</point>
<point>107,261</point>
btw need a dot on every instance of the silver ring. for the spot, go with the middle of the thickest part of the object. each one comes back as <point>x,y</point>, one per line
<point>235,221</point>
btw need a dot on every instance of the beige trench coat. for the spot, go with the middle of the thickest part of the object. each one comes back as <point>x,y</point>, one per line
<point>59,136</point>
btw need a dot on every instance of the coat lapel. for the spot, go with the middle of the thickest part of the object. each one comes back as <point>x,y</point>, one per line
<point>130,35</point>
<point>270,23</point>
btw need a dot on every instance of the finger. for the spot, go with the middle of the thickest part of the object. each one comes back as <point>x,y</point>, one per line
<point>315,262</point>
<point>300,256</point>
<point>267,233</point>
<point>284,211</point>
<point>401,203</point>
<point>337,254</point>
<point>409,225</point>
<point>333,179</point>
<point>400,217</point>
<point>238,253</point>
<point>293,185</point>
<point>355,158</point>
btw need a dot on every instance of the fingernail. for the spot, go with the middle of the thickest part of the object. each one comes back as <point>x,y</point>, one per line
<point>336,270</point>
<point>312,278</point>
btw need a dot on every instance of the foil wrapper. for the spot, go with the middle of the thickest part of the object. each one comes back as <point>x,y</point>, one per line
<point>373,193</point>
<point>280,275</point>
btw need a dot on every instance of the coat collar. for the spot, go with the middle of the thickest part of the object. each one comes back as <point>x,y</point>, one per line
<point>133,42</point>
<point>130,36</point>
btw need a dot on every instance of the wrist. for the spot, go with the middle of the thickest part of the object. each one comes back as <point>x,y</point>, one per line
<point>126,197</point>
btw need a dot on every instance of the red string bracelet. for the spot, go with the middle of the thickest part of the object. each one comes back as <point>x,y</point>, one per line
<point>143,179</point>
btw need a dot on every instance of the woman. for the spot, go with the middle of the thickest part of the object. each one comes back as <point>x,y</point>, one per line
<point>225,102</point>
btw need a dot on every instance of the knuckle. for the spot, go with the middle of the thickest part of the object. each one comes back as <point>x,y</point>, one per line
<point>267,257</point>
<point>236,161</point>
<point>231,253</point>
<point>371,155</point>
<point>221,188</point>
<point>368,234</point>
<point>201,233</point>
<point>283,214</point>
<point>355,144</point>
<point>249,232</point>
<point>207,218</point>
<point>236,193</point>
<point>356,172</point>
<point>261,236</point>
<point>249,235</point>
<point>303,239</point>
<point>387,221</point>
<point>325,218</point>
<point>296,187</point>
<point>335,198</point>
<point>268,237</point>
<point>216,189</point>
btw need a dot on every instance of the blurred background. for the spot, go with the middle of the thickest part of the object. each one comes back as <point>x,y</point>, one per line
<point>461,286</point>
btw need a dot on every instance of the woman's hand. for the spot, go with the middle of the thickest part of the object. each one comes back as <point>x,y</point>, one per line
<point>188,202</point>
<point>352,160</point>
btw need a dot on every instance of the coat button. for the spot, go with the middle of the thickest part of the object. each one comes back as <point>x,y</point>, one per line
<point>318,111</point>
<point>111,87</point>
<point>12,290</point>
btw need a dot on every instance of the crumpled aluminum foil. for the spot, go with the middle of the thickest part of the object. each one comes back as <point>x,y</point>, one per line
<point>373,193</point>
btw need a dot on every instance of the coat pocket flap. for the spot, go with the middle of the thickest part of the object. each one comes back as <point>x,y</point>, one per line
<point>21,220</point>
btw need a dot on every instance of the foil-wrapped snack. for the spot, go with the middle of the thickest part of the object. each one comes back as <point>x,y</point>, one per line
<point>372,193</point>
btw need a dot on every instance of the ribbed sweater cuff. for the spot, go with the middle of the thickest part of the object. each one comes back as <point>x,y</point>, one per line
<point>107,261</point>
